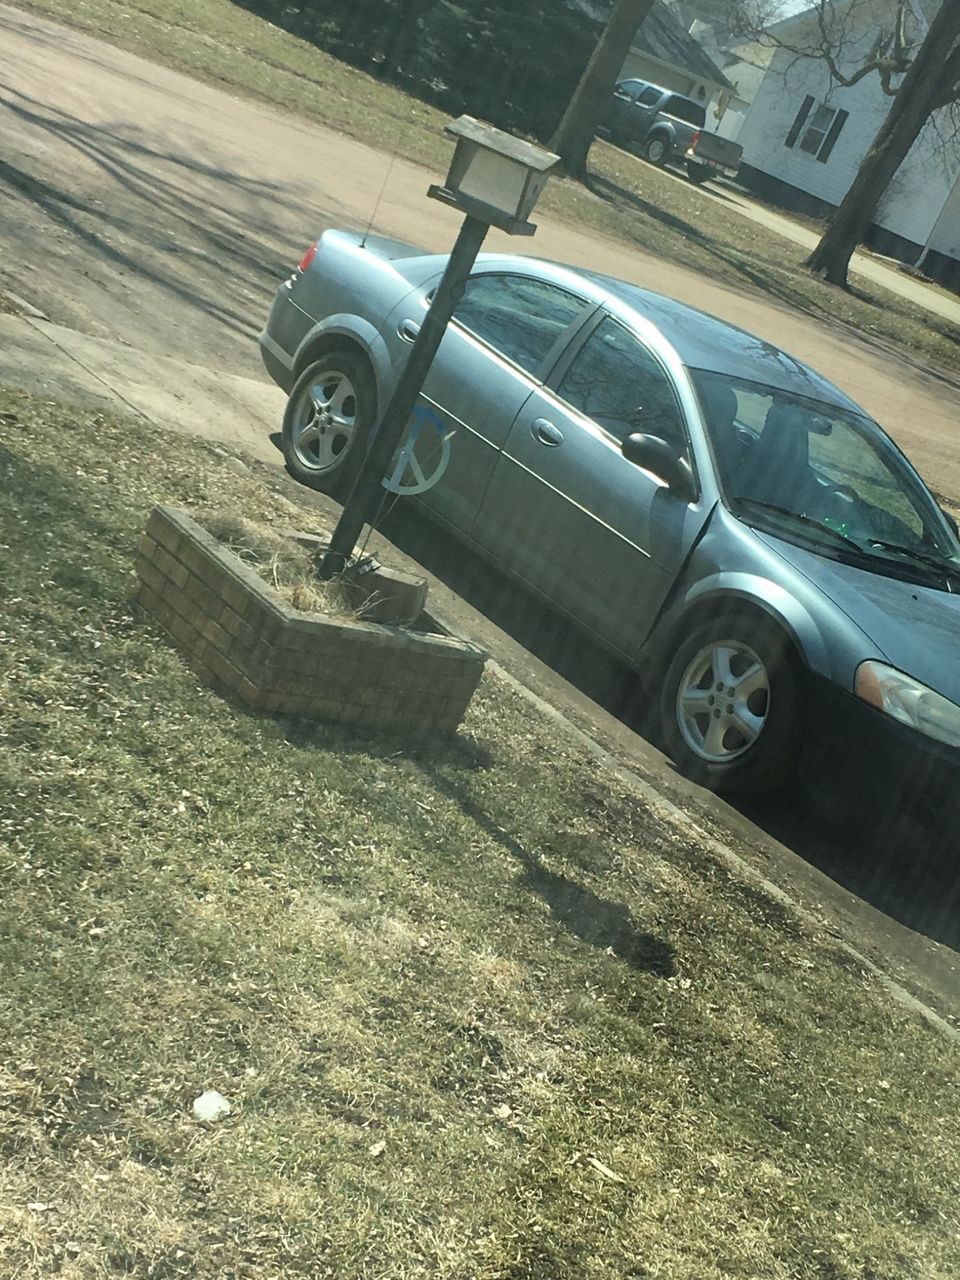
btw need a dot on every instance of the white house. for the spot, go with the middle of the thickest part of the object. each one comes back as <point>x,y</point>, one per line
<point>805,135</point>
<point>744,63</point>
<point>665,54</point>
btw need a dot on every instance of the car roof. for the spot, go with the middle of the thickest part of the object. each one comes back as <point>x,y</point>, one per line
<point>700,340</point>
<point>704,342</point>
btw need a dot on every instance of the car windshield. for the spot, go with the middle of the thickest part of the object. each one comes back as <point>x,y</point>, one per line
<point>822,474</point>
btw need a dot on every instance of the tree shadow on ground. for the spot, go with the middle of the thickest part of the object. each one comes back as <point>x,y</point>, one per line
<point>164,219</point>
<point>902,874</point>
<point>599,922</point>
<point>774,282</point>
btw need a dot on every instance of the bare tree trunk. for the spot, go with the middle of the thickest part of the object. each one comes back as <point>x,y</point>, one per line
<point>575,132</point>
<point>921,92</point>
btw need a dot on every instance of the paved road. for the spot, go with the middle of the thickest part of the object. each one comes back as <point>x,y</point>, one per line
<point>138,203</point>
<point>141,207</point>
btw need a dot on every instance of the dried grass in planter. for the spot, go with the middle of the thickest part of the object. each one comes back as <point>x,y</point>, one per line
<point>286,568</point>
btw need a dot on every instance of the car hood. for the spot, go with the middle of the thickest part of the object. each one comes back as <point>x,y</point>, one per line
<point>917,628</point>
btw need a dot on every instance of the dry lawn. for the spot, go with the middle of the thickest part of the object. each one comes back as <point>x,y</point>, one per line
<point>480,1015</point>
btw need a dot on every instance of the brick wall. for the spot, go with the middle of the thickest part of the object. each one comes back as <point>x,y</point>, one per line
<point>274,658</point>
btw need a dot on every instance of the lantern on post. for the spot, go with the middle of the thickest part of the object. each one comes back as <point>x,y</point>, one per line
<point>494,176</point>
<point>495,180</point>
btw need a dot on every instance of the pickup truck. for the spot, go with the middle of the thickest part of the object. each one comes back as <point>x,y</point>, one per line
<point>662,126</point>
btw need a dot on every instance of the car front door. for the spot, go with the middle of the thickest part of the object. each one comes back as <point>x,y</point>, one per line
<point>601,538</point>
<point>622,106</point>
<point>505,332</point>
<point>644,112</point>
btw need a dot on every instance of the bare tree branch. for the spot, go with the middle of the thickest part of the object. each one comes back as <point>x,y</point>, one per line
<point>838,30</point>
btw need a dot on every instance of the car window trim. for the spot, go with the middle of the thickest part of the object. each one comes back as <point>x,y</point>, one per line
<point>573,349</point>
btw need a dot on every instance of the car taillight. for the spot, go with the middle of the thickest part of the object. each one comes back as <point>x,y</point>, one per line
<point>695,139</point>
<point>309,256</point>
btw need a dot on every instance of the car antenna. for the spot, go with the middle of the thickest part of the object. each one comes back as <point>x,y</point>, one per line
<point>376,207</point>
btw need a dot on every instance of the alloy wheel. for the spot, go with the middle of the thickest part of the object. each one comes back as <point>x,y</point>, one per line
<point>723,700</point>
<point>325,420</point>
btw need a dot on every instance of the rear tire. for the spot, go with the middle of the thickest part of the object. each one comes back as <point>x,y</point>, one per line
<point>730,705</point>
<point>657,150</point>
<point>327,422</point>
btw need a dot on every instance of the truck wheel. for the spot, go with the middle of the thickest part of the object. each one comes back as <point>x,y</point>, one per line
<point>657,150</point>
<point>697,173</point>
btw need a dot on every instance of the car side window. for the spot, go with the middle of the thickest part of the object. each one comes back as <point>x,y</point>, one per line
<point>649,97</point>
<point>519,316</point>
<point>685,109</point>
<point>620,385</point>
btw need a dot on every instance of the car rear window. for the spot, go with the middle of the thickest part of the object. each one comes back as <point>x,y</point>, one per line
<point>685,109</point>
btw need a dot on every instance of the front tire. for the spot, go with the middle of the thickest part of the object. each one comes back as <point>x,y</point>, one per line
<point>730,705</point>
<point>327,422</point>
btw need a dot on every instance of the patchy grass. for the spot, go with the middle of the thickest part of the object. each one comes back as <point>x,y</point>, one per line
<point>228,46</point>
<point>479,1013</point>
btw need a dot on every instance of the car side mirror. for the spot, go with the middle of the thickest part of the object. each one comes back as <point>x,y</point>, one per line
<point>653,454</point>
<point>950,521</point>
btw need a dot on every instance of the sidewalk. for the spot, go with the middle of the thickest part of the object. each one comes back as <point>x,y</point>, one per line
<point>48,359</point>
<point>863,264</point>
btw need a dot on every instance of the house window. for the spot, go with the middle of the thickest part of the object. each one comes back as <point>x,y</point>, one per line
<point>816,129</point>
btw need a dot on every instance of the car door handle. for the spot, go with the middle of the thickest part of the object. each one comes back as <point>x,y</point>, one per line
<point>408,330</point>
<point>544,431</point>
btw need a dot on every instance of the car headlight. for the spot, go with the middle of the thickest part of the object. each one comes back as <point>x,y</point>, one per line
<point>908,701</point>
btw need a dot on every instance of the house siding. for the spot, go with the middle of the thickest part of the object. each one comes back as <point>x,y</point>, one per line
<point>732,121</point>
<point>945,238</point>
<point>917,199</point>
<point>914,203</point>
<point>763,135</point>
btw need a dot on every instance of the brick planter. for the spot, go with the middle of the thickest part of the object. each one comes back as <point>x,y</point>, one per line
<point>240,636</point>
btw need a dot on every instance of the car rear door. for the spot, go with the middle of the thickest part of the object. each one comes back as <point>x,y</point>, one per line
<point>601,538</point>
<point>506,331</point>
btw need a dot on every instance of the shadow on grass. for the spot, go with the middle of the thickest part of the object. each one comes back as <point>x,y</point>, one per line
<point>748,269</point>
<point>460,752</point>
<point>599,922</point>
<point>45,498</point>
<point>903,876</point>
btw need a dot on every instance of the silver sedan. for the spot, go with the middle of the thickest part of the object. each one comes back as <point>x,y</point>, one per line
<point>706,506</point>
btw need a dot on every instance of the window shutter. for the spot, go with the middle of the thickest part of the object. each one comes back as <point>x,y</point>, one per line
<point>799,122</point>
<point>839,120</point>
